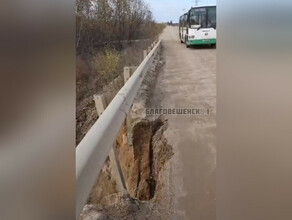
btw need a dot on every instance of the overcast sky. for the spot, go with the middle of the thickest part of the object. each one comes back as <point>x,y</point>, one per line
<point>166,10</point>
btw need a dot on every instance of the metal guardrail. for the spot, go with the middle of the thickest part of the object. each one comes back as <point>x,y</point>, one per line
<point>94,148</point>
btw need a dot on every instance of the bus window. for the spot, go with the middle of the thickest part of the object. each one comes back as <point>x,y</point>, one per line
<point>185,20</point>
<point>198,17</point>
<point>211,17</point>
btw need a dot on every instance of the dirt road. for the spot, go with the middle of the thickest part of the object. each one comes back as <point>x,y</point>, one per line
<point>189,81</point>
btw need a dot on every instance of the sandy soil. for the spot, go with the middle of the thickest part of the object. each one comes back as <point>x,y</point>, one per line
<point>189,81</point>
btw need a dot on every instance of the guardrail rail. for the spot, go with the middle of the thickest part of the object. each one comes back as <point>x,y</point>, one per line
<point>94,148</point>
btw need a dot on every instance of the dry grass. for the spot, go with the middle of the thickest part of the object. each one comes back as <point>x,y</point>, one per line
<point>94,73</point>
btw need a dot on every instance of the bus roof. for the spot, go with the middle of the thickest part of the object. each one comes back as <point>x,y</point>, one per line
<point>203,6</point>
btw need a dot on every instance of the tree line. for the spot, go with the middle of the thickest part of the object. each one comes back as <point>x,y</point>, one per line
<point>101,22</point>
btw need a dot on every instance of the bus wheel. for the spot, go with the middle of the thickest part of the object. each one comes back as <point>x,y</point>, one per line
<point>186,41</point>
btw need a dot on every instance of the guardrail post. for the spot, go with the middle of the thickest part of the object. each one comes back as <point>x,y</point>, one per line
<point>117,170</point>
<point>127,73</point>
<point>149,49</point>
<point>145,53</point>
<point>114,160</point>
<point>157,51</point>
<point>100,104</point>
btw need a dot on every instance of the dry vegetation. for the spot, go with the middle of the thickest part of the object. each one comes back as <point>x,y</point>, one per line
<point>106,40</point>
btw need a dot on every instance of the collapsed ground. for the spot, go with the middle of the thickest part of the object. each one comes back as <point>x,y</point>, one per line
<point>109,36</point>
<point>142,163</point>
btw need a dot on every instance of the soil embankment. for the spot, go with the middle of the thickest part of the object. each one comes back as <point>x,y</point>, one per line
<point>142,160</point>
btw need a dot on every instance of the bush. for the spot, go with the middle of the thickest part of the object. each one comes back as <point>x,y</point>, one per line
<point>108,64</point>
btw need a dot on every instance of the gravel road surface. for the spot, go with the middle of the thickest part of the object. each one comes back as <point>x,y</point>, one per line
<point>188,80</point>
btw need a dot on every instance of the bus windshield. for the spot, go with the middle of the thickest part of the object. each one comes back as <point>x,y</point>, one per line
<point>203,17</point>
<point>211,19</point>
